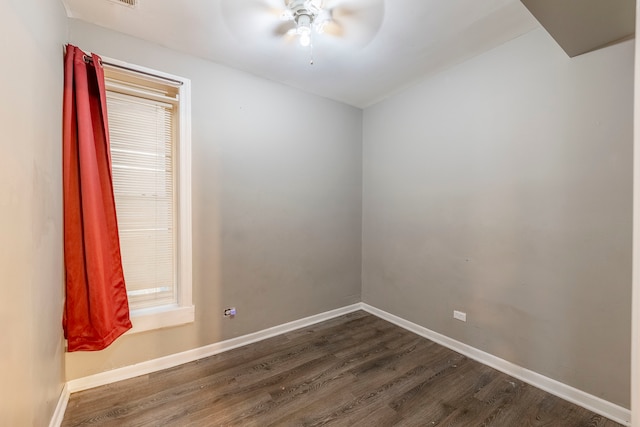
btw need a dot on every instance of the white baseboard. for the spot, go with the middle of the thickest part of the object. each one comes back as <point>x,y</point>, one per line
<point>566,392</point>
<point>173,360</point>
<point>593,403</point>
<point>58,414</point>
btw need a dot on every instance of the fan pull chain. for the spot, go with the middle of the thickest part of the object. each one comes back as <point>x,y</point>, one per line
<point>311,54</point>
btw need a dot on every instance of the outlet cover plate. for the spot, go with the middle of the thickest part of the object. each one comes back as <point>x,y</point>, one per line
<point>460,315</point>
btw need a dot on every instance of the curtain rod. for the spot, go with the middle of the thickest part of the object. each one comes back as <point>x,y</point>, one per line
<point>88,59</point>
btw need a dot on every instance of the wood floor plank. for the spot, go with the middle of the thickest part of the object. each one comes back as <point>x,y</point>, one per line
<point>356,369</point>
<point>384,416</point>
<point>310,409</point>
<point>377,396</point>
<point>441,395</point>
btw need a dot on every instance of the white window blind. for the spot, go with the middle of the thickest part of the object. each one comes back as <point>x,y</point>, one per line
<point>149,115</point>
<point>142,152</point>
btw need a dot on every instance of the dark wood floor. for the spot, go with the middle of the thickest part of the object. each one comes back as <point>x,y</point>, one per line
<point>355,370</point>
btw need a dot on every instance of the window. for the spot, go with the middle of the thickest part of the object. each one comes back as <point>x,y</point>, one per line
<point>149,129</point>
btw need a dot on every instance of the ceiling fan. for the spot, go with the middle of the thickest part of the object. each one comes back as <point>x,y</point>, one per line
<point>354,22</point>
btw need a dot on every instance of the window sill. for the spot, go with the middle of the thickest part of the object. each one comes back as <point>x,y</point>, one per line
<point>160,317</point>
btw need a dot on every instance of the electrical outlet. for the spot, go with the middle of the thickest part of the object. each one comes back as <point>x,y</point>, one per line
<point>460,315</point>
<point>230,312</point>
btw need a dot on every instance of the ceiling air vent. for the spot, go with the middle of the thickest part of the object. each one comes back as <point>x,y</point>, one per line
<point>128,3</point>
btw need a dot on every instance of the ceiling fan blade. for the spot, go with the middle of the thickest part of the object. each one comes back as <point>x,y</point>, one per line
<point>239,8</point>
<point>358,20</point>
<point>252,19</point>
<point>284,28</point>
<point>332,28</point>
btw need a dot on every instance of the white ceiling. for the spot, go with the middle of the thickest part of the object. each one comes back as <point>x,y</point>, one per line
<point>415,38</point>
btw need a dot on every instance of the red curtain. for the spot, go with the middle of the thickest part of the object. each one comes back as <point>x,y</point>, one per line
<point>96,307</point>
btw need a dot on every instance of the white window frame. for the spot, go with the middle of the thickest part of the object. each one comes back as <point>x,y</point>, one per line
<point>183,311</point>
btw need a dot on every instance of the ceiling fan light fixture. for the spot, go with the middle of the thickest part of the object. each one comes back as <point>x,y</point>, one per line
<point>305,39</point>
<point>304,13</point>
<point>303,24</point>
<point>303,28</point>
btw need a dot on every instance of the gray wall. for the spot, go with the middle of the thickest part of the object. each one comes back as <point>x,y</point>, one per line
<point>277,185</point>
<point>503,188</point>
<point>31,266</point>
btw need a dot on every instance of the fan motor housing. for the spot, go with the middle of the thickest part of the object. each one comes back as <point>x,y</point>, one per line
<point>310,8</point>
